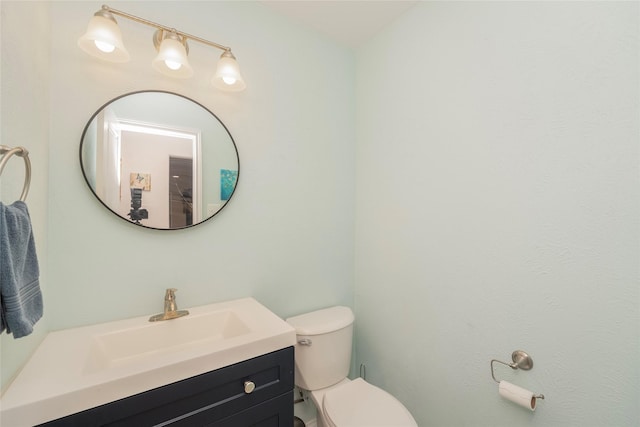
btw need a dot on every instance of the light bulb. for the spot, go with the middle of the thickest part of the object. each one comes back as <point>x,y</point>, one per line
<point>104,46</point>
<point>172,55</point>
<point>173,65</point>
<point>103,38</point>
<point>227,75</point>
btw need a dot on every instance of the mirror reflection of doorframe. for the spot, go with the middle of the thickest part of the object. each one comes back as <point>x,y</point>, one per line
<point>159,216</point>
<point>181,207</point>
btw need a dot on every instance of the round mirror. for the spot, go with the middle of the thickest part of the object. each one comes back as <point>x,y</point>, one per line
<point>159,160</point>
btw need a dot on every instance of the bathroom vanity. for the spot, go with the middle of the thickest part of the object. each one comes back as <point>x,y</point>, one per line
<point>225,364</point>
<point>256,392</point>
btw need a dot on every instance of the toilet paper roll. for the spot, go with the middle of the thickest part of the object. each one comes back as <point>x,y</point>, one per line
<point>519,395</point>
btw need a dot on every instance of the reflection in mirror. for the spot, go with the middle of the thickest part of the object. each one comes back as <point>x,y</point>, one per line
<point>159,160</point>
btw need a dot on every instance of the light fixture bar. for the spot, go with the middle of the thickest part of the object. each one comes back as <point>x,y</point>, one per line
<point>164,27</point>
<point>103,39</point>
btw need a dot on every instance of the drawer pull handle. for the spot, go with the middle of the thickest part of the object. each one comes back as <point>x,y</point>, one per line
<point>249,386</point>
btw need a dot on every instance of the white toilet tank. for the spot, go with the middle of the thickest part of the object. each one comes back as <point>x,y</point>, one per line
<point>323,351</point>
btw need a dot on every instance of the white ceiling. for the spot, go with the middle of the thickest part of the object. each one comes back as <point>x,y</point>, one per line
<point>349,22</point>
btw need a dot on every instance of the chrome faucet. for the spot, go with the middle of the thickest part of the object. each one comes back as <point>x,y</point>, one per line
<point>170,308</point>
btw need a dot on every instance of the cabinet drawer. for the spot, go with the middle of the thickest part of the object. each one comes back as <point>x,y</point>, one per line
<point>212,396</point>
<point>276,412</point>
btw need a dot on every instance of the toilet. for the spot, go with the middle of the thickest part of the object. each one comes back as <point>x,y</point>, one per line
<point>322,361</point>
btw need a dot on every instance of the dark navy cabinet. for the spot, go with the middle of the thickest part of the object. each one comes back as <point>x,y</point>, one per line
<point>256,392</point>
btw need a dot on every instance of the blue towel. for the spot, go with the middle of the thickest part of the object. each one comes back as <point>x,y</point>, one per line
<point>20,296</point>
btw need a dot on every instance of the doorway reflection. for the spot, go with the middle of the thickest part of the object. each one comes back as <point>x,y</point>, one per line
<point>180,192</point>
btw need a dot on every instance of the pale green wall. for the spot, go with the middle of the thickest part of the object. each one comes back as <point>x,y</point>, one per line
<point>285,238</point>
<point>24,121</point>
<point>496,195</point>
<point>497,209</point>
<point>292,214</point>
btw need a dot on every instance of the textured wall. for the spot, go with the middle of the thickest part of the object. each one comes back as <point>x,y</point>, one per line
<point>286,199</point>
<point>24,120</point>
<point>497,196</point>
<point>497,209</point>
<point>286,237</point>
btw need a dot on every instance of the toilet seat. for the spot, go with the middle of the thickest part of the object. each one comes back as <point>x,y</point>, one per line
<point>360,404</point>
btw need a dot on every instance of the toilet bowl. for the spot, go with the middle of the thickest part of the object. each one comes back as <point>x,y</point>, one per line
<point>322,360</point>
<point>358,403</point>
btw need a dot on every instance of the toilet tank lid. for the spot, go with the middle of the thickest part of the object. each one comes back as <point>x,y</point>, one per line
<point>322,321</point>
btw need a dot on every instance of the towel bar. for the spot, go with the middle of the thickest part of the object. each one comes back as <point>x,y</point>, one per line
<point>7,152</point>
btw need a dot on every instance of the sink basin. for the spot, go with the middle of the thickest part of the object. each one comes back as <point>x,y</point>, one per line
<point>152,339</point>
<point>80,368</point>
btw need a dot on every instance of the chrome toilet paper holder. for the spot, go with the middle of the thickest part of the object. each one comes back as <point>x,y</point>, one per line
<point>521,360</point>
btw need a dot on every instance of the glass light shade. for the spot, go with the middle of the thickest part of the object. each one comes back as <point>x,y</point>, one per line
<point>103,40</point>
<point>172,58</point>
<point>227,76</point>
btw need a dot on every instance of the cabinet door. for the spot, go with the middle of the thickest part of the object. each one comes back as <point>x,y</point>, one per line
<point>197,401</point>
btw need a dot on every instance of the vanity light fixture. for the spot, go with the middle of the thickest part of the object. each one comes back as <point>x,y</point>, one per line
<point>103,39</point>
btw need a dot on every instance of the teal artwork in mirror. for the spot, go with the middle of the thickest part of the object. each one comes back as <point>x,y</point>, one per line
<point>228,181</point>
<point>159,160</point>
